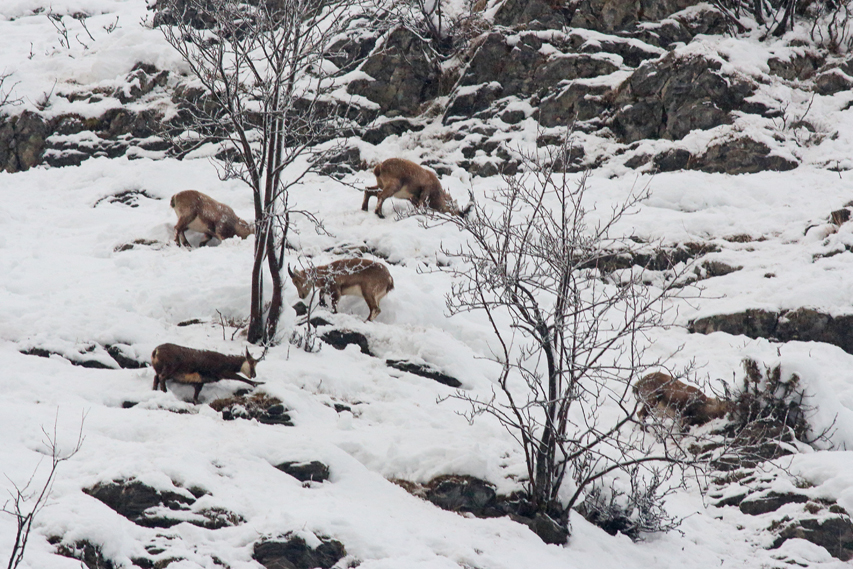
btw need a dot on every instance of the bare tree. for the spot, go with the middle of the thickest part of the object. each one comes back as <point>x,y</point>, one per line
<point>267,79</point>
<point>570,330</point>
<point>26,502</point>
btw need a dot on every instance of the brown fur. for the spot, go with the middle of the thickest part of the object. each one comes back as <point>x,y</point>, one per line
<point>204,214</point>
<point>198,367</point>
<point>357,277</point>
<point>404,179</point>
<point>664,395</point>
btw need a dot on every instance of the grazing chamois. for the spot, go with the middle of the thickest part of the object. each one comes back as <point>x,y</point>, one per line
<point>406,180</point>
<point>198,367</point>
<point>666,396</point>
<point>356,277</point>
<point>204,214</point>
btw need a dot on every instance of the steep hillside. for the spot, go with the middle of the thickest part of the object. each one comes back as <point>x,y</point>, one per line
<point>338,459</point>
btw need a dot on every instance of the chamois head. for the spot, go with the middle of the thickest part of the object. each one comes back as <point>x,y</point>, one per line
<point>248,367</point>
<point>301,281</point>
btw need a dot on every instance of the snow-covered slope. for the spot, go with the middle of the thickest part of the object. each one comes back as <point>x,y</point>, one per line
<point>67,286</point>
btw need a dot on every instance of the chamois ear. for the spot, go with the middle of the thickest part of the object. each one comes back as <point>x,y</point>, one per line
<point>290,272</point>
<point>249,357</point>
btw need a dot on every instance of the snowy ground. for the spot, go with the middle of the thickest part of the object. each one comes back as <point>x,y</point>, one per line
<point>65,287</point>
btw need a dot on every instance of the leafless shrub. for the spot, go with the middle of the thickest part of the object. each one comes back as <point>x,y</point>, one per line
<point>775,16</point>
<point>570,335</point>
<point>832,27</point>
<point>60,27</point>
<point>638,511</point>
<point>6,91</point>
<point>27,501</point>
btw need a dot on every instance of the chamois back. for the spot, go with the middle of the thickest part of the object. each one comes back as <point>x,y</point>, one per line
<point>204,214</point>
<point>403,179</point>
<point>198,367</point>
<point>368,279</point>
<point>666,396</point>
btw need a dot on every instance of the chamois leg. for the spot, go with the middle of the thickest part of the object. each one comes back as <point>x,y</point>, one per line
<point>387,191</point>
<point>206,240</point>
<point>373,305</point>
<point>369,193</point>
<point>156,382</point>
<point>197,388</point>
<point>335,293</point>
<point>180,229</point>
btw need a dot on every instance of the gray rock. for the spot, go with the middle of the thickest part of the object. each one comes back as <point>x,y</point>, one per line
<point>834,533</point>
<point>463,494</point>
<point>549,15</point>
<point>314,471</point>
<point>340,339</point>
<point>832,81</point>
<point>472,101</point>
<point>742,155</point>
<point>404,76</point>
<point>670,97</point>
<point>379,132</point>
<point>577,102</point>
<point>291,552</point>
<point>672,160</point>
<point>799,67</point>
<point>769,502</point>
<point>424,371</point>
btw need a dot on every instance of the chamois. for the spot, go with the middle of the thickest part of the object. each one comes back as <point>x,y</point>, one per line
<point>198,367</point>
<point>356,277</point>
<point>404,179</point>
<point>204,214</point>
<point>664,395</point>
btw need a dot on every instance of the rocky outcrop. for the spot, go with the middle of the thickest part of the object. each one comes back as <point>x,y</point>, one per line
<point>791,513</point>
<point>801,324</point>
<point>741,155</point>
<point>313,471</point>
<point>424,371</point>
<point>672,96</point>
<point>470,495</point>
<point>403,74</point>
<point>259,407</point>
<point>152,508</point>
<point>620,15</point>
<point>292,552</point>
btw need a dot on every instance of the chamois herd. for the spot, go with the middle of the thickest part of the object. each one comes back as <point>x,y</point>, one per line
<point>656,393</point>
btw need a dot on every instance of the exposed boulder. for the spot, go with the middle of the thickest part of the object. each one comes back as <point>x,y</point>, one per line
<point>741,155</point>
<point>576,102</point>
<point>22,141</point>
<point>463,494</point>
<point>384,128</point>
<point>619,15</point>
<point>147,507</point>
<point>292,552</point>
<point>832,532</point>
<point>537,14</point>
<point>762,503</point>
<point>424,371</point>
<point>89,554</point>
<point>833,81</point>
<point>672,96</point>
<point>258,406</point>
<point>340,339</point>
<point>404,75</point>
<point>314,471</point>
<point>797,67</point>
<point>801,324</point>
<point>470,495</point>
